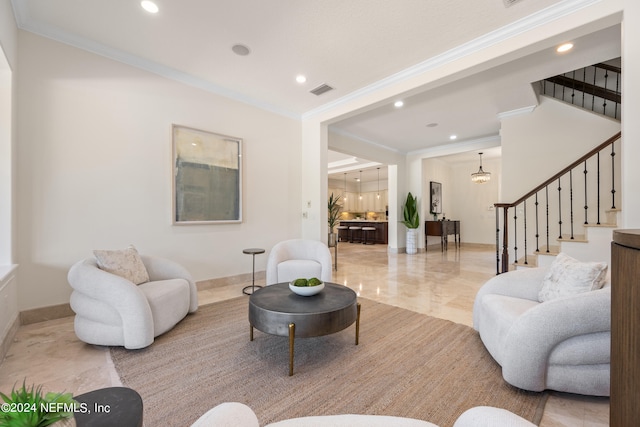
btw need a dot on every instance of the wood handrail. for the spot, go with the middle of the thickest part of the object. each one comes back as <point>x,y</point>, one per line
<point>562,172</point>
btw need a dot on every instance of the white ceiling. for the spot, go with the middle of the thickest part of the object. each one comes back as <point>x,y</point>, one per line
<point>349,45</point>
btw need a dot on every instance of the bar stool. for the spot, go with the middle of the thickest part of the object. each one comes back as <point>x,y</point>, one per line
<point>365,233</point>
<point>352,230</point>
<point>345,233</point>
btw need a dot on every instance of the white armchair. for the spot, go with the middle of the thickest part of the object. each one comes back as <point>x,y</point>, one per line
<point>296,258</point>
<point>562,344</point>
<point>111,310</point>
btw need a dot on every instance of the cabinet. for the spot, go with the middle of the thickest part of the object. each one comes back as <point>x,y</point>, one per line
<point>625,328</point>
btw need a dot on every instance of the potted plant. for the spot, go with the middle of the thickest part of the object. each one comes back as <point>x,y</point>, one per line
<point>333,214</point>
<point>412,222</point>
<point>28,407</point>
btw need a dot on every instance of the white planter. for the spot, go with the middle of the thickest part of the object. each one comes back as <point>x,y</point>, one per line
<point>412,241</point>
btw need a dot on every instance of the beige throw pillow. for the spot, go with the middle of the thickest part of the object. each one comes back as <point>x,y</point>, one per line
<point>568,276</point>
<point>124,263</point>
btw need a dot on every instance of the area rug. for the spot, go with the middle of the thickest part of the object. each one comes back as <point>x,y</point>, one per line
<point>406,364</point>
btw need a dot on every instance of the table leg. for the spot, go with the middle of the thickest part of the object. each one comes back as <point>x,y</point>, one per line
<point>358,325</point>
<point>250,332</point>
<point>292,334</point>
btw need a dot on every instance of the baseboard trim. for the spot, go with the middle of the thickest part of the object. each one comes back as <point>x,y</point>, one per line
<point>42,314</point>
<point>9,337</point>
<point>239,279</point>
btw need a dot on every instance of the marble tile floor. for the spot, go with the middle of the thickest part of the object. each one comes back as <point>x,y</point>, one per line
<point>440,284</point>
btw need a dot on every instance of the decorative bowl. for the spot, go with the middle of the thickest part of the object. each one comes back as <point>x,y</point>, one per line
<point>306,291</point>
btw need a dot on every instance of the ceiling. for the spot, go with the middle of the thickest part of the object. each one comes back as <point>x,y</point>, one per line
<point>348,45</point>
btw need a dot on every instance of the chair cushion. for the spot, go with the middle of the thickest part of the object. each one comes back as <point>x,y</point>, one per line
<point>124,263</point>
<point>169,302</point>
<point>298,268</point>
<point>568,276</point>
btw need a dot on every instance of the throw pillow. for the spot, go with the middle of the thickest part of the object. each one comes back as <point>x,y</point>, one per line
<point>124,263</point>
<point>568,276</point>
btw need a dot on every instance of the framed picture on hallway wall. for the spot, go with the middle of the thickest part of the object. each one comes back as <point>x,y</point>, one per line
<point>435,199</point>
<point>207,177</point>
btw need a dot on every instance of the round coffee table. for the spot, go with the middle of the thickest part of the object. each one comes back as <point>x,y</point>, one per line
<point>276,310</point>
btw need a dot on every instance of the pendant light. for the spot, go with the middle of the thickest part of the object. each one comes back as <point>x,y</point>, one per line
<point>360,185</point>
<point>378,184</point>
<point>481,176</point>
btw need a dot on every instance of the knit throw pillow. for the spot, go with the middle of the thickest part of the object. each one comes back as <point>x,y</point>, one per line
<point>124,263</point>
<point>568,276</point>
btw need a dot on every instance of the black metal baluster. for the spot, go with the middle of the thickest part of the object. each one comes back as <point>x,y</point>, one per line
<point>497,240</point>
<point>526,262</point>
<point>598,186</point>
<point>571,200</point>
<point>586,206</point>
<point>613,176</point>
<point>515,234</point>
<point>546,189</point>
<point>593,94</point>
<point>584,80</point>
<point>537,227</point>
<point>559,209</point>
<point>615,114</point>
<point>604,103</point>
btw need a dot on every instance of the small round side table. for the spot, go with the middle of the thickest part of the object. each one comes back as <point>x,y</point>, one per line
<point>253,252</point>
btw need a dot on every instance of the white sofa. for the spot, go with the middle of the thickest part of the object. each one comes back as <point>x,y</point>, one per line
<point>234,414</point>
<point>112,310</point>
<point>561,344</point>
<point>299,258</point>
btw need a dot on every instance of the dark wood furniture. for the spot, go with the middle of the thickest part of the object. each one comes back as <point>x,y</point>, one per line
<point>625,328</point>
<point>443,229</point>
<point>380,235</point>
<point>276,310</point>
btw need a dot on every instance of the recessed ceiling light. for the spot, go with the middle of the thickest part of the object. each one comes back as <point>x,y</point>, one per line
<point>149,6</point>
<point>398,104</point>
<point>240,49</point>
<point>452,137</point>
<point>300,78</point>
<point>564,47</point>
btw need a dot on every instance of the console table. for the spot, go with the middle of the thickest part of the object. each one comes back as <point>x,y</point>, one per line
<point>442,229</point>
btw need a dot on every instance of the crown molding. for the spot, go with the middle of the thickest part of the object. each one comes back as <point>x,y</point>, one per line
<point>492,38</point>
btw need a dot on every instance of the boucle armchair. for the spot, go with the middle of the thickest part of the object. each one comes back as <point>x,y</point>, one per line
<point>234,414</point>
<point>296,258</point>
<point>560,344</point>
<point>114,311</point>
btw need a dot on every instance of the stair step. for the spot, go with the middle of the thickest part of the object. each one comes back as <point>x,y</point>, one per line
<point>576,238</point>
<point>602,224</point>
<point>552,250</point>
<point>532,261</point>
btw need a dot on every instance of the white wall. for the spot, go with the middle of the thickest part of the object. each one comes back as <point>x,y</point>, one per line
<point>536,146</point>
<point>95,163</point>
<point>8,79</point>
<point>630,114</point>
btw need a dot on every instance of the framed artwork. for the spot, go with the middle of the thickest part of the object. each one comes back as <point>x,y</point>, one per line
<point>435,200</point>
<point>207,177</point>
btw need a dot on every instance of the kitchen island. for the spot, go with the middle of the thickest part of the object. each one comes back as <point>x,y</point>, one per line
<point>378,236</point>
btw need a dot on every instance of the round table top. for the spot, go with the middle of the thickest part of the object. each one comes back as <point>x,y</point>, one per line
<point>274,307</point>
<point>253,251</point>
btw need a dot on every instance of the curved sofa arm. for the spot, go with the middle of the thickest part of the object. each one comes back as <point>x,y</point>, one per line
<point>487,416</point>
<point>165,269</point>
<point>525,284</point>
<point>119,293</point>
<point>228,414</point>
<point>539,330</point>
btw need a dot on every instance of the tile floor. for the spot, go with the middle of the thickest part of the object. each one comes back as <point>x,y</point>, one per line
<point>440,284</point>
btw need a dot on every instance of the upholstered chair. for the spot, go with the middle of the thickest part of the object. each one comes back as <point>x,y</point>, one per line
<point>130,311</point>
<point>544,340</point>
<point>298,258</point>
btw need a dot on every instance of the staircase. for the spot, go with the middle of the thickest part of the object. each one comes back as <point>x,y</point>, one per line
<point>575,210</point>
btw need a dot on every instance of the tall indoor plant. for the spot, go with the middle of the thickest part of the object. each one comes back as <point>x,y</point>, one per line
<point>334,210</point>
<point>412,222</point>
